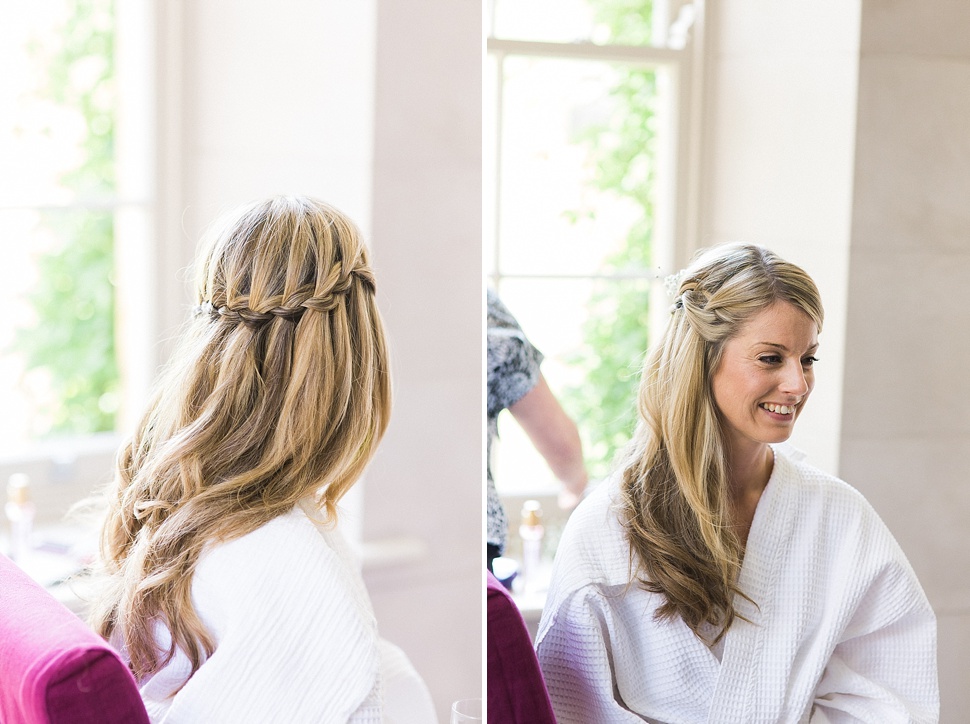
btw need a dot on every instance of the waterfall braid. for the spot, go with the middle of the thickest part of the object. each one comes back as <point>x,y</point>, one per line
<point>674,504</point>
<point>279,390</point>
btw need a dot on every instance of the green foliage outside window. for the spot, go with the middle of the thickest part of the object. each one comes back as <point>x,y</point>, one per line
<point>73,338</point>
<point>622,154</point>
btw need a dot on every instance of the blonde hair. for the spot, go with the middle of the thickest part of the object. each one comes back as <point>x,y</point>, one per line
<point>279,390</point>
<point>674,504</point>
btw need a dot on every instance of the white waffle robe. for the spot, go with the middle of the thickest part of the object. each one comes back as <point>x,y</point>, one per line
<point>296,638</point>
<point>842,631</point>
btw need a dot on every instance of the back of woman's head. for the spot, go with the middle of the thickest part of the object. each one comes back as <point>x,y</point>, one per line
<point>279,389</point>
<point>676,510</point>
<point>286,366</point>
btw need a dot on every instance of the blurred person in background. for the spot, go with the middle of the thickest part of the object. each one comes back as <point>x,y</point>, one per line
<point>516,383</point>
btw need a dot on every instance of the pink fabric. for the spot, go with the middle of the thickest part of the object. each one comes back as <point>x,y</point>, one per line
<point>516,692</point>
<point>53,668</point>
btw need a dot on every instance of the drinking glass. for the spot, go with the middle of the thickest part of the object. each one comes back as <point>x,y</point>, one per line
<point>465,711</point>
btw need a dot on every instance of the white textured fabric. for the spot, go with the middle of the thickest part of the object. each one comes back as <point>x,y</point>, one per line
<point>406,698</point>
<point>842,631</point>
<point>296,638</point>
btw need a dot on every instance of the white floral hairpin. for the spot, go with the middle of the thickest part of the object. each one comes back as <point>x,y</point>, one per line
<point>672,282</point>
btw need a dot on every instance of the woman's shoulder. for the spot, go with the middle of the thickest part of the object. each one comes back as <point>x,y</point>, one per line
<point>827,519</point>
<point>295,636</point>
<point>833,508</point>
<point>597,508</point>
<point>286,538</point>
<point>288,568</point>
<point>594,547</point>
<point>592,569</point>
<point>814,485</point>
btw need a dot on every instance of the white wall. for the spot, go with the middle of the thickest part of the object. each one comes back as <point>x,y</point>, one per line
<point>427,479</point>
<point>370,106</point>
<point>906,428</point>
<point>256,98</point>
<point>778,154</point>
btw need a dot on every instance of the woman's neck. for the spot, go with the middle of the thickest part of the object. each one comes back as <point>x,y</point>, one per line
<point>749,469</point>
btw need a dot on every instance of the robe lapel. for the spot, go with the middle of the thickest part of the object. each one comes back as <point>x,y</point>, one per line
<point>737,696</point>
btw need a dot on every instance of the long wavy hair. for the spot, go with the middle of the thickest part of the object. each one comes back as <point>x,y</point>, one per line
<point>674,502</point>
<point>279,390</point>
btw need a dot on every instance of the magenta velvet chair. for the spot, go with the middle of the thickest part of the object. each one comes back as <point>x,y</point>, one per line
<point>53,668</point>
<point>516,691</point>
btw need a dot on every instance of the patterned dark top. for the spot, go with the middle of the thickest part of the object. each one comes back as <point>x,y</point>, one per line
<point>513,370</point>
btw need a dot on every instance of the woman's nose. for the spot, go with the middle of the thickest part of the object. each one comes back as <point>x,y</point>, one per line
<point>795,381</point>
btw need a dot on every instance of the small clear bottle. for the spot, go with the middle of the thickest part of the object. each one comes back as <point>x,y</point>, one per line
<point>531,532</point>
<point>20,512</point>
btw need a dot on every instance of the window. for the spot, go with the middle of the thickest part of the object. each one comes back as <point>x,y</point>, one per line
<point>75,209</point>
<point>589,145</point>
<point>60,206</point>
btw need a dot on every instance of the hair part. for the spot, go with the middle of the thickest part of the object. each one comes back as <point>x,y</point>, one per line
<point>674,504</point>
<point>279,390</point>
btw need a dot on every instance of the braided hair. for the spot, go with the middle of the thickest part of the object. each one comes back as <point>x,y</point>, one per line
<point>279,390</point>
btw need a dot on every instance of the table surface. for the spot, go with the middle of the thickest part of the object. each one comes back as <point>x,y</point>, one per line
<point>57,552</point>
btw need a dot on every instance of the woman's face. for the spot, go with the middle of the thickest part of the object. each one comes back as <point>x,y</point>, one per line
<point>765,375</point>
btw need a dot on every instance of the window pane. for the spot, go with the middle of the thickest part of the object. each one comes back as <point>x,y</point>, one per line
<point>569,21</point>
<point>59,362</point>
<point>577,164</point>
<point>565,21</point>
<point>593,335</point>
<point>56,103</point>
<point>584,220</point>
<point>57,135</point>
<point>490,107</point>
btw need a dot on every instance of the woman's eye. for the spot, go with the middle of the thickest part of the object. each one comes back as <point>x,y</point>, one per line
<point>809,361</point>
<point>770,359</point>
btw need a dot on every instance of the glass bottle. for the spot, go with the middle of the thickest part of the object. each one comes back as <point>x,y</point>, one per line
<point>20,512</point>
<point>531,533</point>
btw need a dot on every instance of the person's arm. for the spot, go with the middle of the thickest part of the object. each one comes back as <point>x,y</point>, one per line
<point>553,434</point>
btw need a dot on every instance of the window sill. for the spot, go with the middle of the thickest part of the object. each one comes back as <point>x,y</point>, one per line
<point>393,552</point>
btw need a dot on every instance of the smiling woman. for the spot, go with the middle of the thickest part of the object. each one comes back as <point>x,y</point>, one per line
<point>765,376</point>
<point>774,591</point>
<point>760,386</point>
<point>707,452</point>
